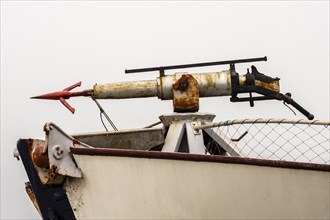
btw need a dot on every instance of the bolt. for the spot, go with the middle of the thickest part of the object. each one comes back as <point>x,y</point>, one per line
<point>58,152</point>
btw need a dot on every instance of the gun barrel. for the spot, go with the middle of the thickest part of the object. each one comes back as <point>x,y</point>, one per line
<point>210,84</point>
<point>125,90</point>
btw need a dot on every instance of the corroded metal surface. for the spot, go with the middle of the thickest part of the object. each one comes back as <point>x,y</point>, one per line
<point>137,139</point>
<point>202,158</point>
<point>39,158</point>
<point>32,197</point>
<point>45,172</point>
<point>168,119</point>
<point>186,94</point>
<point>58,146</point>
<point>214,84</point>
<point>274,86</point>
<point>52,200</point>
<point>123,90</point>
<point>209,84</point>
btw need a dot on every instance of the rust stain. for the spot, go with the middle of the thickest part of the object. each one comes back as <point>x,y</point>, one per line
<point>228,78</point>
<point>38,158</point>
<point>187,100</point>
<point>46,129</point>
<point>30,144</point>
<point>210,82</point>
<point>186,104</point>
<point>40,162</point>
<point>183,79</point>
<point>242,80</point>
<point>126,90</point>
<point>274,86</point>
<point>32,197</point>
<point>76,143</point>
<point>53,172</point>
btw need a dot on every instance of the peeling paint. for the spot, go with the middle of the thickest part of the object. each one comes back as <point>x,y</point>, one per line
<point>134,89</point>
<point>32,197</point>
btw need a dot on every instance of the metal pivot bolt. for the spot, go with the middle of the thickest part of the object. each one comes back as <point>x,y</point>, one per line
<point>193,124</point>
<point>58,152</point>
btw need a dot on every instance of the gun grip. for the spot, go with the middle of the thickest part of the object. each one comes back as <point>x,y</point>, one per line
<point>287,98</point>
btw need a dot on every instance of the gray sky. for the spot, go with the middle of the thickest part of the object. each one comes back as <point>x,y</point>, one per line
<point>47,46</point>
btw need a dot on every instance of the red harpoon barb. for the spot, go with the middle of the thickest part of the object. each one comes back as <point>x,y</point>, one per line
<point>64,94</point>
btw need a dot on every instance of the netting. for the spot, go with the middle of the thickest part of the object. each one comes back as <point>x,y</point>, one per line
<point>301,141</point>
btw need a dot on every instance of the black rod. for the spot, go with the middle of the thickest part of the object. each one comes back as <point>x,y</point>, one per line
<point>162,68</point>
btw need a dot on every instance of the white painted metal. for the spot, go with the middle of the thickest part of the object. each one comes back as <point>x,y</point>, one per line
<point>16,153</point>
<point>147,88</point>
<point>195,140</point>
<point>145,188</point>
<point>174,137</point>
<point>165,86</point>
<point>58,144</point>
<point>180,123</point>
<point>224,142</point>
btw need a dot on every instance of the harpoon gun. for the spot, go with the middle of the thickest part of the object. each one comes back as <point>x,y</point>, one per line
<point>186,89</point>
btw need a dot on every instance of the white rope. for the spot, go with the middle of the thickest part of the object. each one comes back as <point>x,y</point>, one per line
<point>261,121</point>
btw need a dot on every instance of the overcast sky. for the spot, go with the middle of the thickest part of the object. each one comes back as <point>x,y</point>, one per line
<point>47,46</point>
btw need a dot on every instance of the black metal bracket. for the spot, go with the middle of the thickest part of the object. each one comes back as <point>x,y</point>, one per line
<point>266,95</point>
<point>52,200</point>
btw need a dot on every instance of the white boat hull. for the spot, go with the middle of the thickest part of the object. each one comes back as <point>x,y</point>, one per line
<point>128,187</point>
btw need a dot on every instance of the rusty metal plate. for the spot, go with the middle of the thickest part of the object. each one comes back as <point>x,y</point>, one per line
<point>137,139</point>
<point>186,94</point>
<point>46,175</point>
<point>60,158</point>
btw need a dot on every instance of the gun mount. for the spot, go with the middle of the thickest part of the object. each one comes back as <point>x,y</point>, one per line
<point>186,89</point>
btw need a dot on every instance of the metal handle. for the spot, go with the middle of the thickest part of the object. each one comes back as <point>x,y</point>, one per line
<point>192,65</point>
<point>287,98</point>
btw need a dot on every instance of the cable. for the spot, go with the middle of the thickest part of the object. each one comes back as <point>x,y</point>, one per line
<point>104,113</point>
<point>103,121</point>
<point>289,107</point>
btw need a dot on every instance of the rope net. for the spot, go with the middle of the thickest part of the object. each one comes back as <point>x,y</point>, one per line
<point>300,141</point>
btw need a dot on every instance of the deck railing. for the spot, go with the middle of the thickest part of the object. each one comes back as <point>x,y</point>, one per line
<point>276,139</point>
